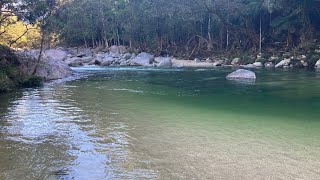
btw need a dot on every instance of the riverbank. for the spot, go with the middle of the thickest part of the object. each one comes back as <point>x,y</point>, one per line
<point>55,63</point>
<point>121,56</point>
<point>23,69</point>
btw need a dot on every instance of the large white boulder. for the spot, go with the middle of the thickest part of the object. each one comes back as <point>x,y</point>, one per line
<point>48,69</point>
<point>165,63</point>
<point>55,54</point>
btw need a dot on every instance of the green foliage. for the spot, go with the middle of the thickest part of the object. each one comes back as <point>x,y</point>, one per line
<point>10,77</point>
<point>7,56</point>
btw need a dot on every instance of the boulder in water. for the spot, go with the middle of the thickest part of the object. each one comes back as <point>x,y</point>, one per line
<point>165,63</point>
<point>143,59</point>
<point>242,74</point>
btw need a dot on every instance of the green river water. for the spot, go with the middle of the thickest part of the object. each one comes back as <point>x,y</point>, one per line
<point>135,123</point>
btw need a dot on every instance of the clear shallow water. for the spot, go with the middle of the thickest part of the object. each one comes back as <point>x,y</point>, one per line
<point>132,123</point>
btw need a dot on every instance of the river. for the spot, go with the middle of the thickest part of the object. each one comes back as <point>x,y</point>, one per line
<point>136,123</point>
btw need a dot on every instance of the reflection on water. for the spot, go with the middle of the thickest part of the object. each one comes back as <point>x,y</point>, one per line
<point>125,123</point>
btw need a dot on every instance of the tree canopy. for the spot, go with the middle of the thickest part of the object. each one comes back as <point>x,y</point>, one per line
<point>169,27</point>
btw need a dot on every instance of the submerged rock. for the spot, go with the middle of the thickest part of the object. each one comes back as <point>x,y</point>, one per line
<point>242,74</point>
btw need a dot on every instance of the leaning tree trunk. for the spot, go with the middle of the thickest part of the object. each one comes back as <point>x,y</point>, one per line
<point>209,35</point>
<point>260,38</point>
<point>40,54</point>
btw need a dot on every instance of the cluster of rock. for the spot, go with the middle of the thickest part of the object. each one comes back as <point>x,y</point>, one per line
<point>56,63</point>
<point>286,60</point>
<point>117,56</point>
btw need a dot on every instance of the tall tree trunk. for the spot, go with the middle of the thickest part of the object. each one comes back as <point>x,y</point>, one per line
<point>227,46</point>
<point>118,38</point>
<point>209,46</point>
<point>260,39</point>
<point>40,53</point>
<point>130,43</point>
<point>85,42</point>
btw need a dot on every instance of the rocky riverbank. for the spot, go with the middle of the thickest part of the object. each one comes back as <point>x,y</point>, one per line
<point>120,56</point>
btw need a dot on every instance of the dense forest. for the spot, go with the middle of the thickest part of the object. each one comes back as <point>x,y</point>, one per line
<point>167,27</point>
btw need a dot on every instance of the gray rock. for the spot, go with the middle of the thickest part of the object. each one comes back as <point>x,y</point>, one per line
<point>75,61</point>
<point>283,63</point>
<point>242,74</point>
<point>82,52</point>
<point>258,64</point>
<point>99,56</point>
<point>269,65</point>
<point>301,57</point>
<point>86,59</point>
<point>273,59</point>
<point>286,55</point>
<point>159,59</point>
<point>55,54</point>
<point>197,60</point>
<point>165,63</point>
<point>127,56</point>
<point>317,65</point>
<point>116,51</point>
<point>249,66</point>
<point>218,63</point>
<point>235,61</point>
<point>143,59</point>
<point>304,64</point>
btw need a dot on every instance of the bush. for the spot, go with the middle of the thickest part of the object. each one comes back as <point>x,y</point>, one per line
<point>33,81</point>
<point>7,54</point>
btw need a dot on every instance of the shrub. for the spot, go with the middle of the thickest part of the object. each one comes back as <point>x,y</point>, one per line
<point>33,81</point>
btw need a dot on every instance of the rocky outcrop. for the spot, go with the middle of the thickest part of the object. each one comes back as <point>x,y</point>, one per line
<point>47,68</point>
<point>143,59</point>
<point>55,54</point>
<point>242,74</point>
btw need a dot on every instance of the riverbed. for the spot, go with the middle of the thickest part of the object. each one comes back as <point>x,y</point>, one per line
<point>147,123</point>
